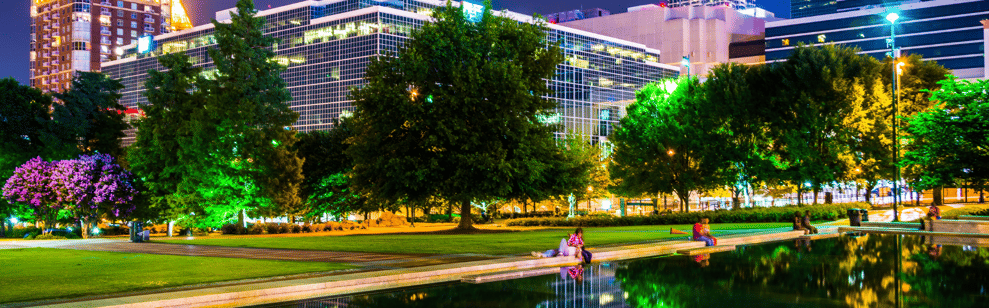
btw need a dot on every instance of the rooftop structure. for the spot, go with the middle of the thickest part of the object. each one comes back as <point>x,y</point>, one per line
<point>708,35</point>
<point>576,15</point>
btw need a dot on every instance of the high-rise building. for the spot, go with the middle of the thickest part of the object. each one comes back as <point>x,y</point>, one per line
<point>806,8</point>
<point>576,15</point>
<point>947,31</point>
<point>708,35</point>
<point>735,4</point>
<point>327,45</point>
<point>77,35</point>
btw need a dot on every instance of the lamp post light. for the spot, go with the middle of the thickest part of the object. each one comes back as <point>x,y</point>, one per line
<point>894,54</point>
<point>686,63</point>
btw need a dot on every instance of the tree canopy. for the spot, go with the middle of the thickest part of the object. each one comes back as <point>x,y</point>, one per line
<point>454,113</point>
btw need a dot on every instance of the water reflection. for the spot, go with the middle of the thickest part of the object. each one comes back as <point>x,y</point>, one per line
<point>866,271</point>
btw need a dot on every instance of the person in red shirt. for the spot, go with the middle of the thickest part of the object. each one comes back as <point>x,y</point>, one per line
<point>577,241</point>
<point>702,232</point>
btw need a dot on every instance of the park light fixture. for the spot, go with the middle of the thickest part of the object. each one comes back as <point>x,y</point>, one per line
<point>899,68</point>
<point>590,188</point>
<point>13,220</point>
<point>892,17</point>
<point>670,152</point>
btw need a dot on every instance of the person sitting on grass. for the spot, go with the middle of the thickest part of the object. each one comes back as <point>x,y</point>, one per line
<point>806,223</point>
<point>572,245</point>
<point>798,224</point>
<point>702,232</point>
<point>563,250</point>
<point>934,212</point>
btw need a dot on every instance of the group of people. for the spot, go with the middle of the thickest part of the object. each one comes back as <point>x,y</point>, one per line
<point>573,245</point>
<point>803,224</point>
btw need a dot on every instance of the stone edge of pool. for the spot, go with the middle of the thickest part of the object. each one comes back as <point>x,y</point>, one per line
<point>306,288</point>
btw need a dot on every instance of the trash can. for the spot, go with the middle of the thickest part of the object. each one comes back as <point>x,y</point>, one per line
<point>854,218</point>
<point>136,233</point>
<point>865,215</point>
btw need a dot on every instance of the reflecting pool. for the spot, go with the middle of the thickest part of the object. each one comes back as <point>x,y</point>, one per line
<point>864,271</point>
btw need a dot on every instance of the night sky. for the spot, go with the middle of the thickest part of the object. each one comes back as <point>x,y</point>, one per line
<point>14,48</point>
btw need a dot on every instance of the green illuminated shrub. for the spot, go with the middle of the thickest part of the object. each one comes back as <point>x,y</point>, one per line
<point>772,214</point>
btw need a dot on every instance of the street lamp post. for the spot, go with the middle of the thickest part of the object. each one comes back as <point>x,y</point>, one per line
<point>686,63</point>
<point>589,190</point>
<point>894,54</point>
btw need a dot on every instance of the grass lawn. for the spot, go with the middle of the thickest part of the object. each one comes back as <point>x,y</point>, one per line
<point>44,273</point>
<point>488,243</point>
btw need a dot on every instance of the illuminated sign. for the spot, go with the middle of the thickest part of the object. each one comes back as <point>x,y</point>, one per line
<point>145,44</point>
<point>472,11</point>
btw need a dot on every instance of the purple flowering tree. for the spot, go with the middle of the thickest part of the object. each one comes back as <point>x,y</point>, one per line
<point>93,186</point>
<point>31,184</point>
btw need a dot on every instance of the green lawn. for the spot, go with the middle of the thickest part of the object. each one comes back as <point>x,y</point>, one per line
<point>492,243</point>
<point>43,273</point>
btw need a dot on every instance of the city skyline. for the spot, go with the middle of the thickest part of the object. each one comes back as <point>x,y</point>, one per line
<point>14,39</point>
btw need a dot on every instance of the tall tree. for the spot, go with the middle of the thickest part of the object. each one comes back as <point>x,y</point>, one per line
<point>454,113</point>
<point>243,137</point>
<point>950,141</point>
<point>26,131</point>
<point>91,112</point>
<point>159,156</point>
<point>326,187</point>
<point>664,145</point>
<point>824,93</point>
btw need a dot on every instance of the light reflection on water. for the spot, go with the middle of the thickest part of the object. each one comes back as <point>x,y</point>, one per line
<point>843,272</point>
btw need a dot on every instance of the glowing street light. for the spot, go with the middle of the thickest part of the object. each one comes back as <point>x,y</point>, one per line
<point>670,152</point>
<point>894,54</point>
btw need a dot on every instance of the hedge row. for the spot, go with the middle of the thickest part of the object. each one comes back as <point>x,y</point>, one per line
<point>279,228</point>
<point>759,214</point>
<point>978,210</point>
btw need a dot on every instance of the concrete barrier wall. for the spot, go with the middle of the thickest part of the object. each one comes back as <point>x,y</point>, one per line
<point>961,226</point>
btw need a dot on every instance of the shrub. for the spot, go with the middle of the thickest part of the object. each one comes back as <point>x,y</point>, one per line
<point>331,226</point>
<point>114,230</point>
<point>272,228</point>
<point>257,228</point>
<point>307,228</point>
<point>49,237</point>
<point>295,228</point>
<point>760,214</point>
<point>284,228</point>
<point>21,232</point>
<point>232,229</point>
<point>977,210</point>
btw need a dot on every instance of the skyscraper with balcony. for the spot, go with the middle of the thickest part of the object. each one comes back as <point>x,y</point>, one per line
<point>78,35</point>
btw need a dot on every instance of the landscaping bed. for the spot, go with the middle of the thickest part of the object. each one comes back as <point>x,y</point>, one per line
<point>827,212</point>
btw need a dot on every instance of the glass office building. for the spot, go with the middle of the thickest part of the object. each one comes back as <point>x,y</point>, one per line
<point>326,46</point>
<point>946,31</point>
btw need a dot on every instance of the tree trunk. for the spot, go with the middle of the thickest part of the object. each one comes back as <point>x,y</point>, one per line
<point>982,198</point>
<point>465,220</point>
<point>3,225</point>
<point>525,206</point>
<point>665,204</point>
<point>938,198</point>
<point>241,223</point>
<point>655,204</point>
<point>685,203</point>
<point>800,196</point>
<point>966,193</point>
<point>83,227</point>
<point>735,201</point>
<point>171,227</point>
<point>868,193</point>
<point>816,192</point>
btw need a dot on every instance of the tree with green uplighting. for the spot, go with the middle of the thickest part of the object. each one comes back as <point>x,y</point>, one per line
<point>454,114</point>
<point>665,145</point>
<point>244,137</point>
<point>91,112</point>
<point>950,141</point>
<point>159,157</point>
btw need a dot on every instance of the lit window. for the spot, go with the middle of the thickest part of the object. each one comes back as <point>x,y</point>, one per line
<point>821,38</point>
<point>786,42</point>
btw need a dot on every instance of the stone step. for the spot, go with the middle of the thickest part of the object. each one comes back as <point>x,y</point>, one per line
<point>501,276</point>
<point>972,217</point>
<point>820,236</point>
<point>899,225</point>
<point>910,232</point>
<point>779,236</point>
<point>705,250</point>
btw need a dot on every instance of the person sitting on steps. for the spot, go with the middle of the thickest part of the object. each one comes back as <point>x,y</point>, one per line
<point>806,223</point>
<point>702,232</point>
<point>798,224</point>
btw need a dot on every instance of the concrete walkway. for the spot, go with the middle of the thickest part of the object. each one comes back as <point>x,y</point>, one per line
<point>310,287</point>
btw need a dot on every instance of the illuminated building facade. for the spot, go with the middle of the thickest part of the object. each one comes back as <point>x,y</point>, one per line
<point>947,31</point>
<point>326,47</point>
<point>77,35</point>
